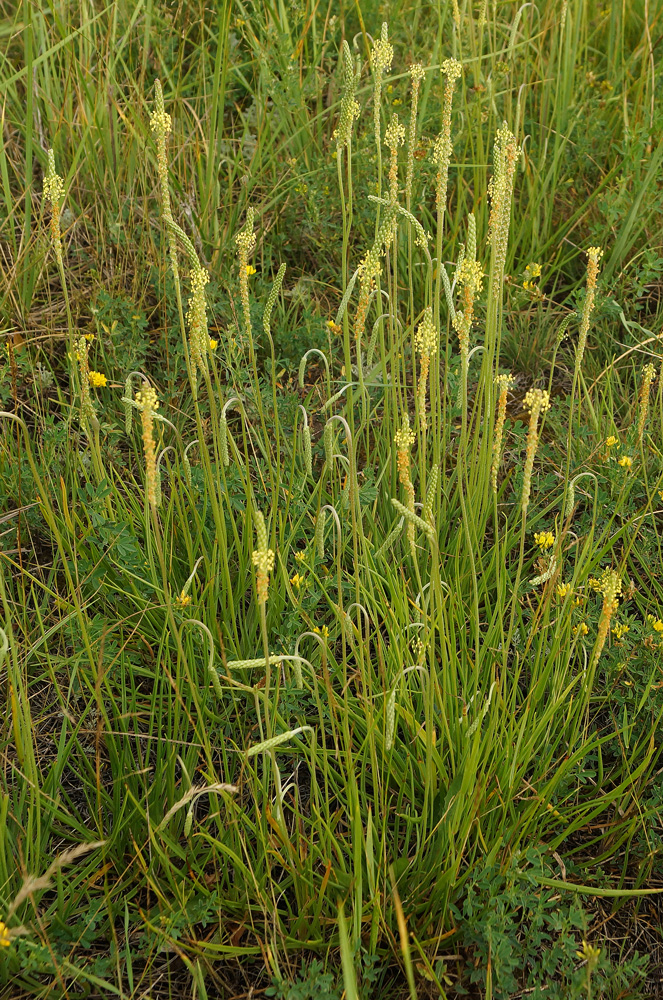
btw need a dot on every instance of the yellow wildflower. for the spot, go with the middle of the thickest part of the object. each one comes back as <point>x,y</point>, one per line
<point>625,461</point>
<point>589,954</point>
<point>183,600</point>
<point>212,344</point>
<point>297,580</point>
<point>5,937</point>
<point>324,631</point>
<point>563,589</point>
<point>300,556</point>
<point>89,337</point>
<point>334,327</point>
<point>98,380</point>
<point>250,269</point>
<point>620,630</point>
<point>580,629</point>
<point>611,441</point>
<point>544,539</point>
<point>657,625</point>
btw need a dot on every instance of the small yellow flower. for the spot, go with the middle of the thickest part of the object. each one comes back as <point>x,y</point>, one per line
<point>589,954</point>
<point>563,589</point>
<point>183,600</point>
<point>580,629</point>
<point>89,337</point>
<point>324,631</point>
<point>5,937</point>
<point>544,539</point>
<point>300,556</point>
<point>612,441</point>
<point>619,631</point>
<point>250,269</point>
<point>98,380</point>
<point>660,493</point>
<point>334,327</point>
<point>625,461</point>
<point>657,625</point>
<point>297,580</point>
<point>212,344</point>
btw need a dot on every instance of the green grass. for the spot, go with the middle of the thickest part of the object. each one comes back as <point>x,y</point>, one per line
<point>413,770</point>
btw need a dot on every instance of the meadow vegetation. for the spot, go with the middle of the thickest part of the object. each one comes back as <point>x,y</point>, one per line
<point>331,457</point>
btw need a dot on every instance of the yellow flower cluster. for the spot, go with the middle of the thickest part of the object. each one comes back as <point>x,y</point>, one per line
<point>544,539</point>
<point>625,461</point>
<point>619,631</point>
<point>580,629</point>
<point>563,589</point>
<point>655,623</point>
<point>532,273</point>
<point>98,380</point>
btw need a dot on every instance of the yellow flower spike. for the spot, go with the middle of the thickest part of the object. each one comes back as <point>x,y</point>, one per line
<point>503,383</point>
<point>97,380</point>
<point>594,255</point>
<point>537,401</point>
<point>147,402</point>
<point>425,341</point>
<point>381,57</point>
<point>404,438</point>
<point>610,586</point>
<point>544,539</point>
<point>625,461</point>
<point>451,69</point>
<point>263,558</point>
<point>648,376</point>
